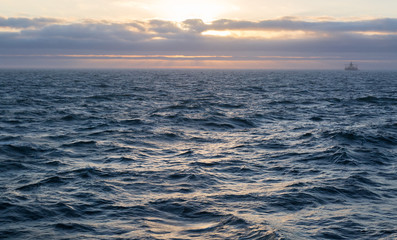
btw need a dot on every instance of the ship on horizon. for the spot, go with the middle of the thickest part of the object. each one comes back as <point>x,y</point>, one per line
<point>351,67</point>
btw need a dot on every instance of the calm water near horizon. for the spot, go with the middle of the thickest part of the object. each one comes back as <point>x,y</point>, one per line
<point>198,154</point>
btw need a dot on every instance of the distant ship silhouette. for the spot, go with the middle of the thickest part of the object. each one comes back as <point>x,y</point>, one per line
<point>351,67</point>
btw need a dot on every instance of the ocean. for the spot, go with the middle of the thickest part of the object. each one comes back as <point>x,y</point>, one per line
<point>198,154</point>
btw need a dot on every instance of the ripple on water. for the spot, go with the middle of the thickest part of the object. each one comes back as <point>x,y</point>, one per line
<point>197,154</point>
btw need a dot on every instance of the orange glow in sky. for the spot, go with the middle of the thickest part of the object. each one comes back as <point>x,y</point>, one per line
<point>197,34</point>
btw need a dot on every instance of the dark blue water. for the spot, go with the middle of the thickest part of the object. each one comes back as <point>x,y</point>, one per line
<point>182,154</point>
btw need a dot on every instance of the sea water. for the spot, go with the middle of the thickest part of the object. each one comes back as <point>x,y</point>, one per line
<point>198,154</point>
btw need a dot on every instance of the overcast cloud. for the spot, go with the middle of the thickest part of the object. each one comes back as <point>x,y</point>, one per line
<point>369,39</point>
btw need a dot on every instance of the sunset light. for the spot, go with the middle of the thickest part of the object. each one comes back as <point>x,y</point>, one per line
<point>239,29</point>
<point>180,10</point>
<point>255,34</point>
<point>187,119</point>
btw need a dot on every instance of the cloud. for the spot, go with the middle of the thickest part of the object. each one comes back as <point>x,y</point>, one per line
<point>195,25</point>
<point>162,27</point>
<point>21,23</point>
<point>378,25</point>
<point>369,39</point>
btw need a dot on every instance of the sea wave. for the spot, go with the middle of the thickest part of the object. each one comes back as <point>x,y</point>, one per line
<point>194,154</point>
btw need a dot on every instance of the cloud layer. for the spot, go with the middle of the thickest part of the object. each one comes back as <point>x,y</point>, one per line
<point>367,40</point>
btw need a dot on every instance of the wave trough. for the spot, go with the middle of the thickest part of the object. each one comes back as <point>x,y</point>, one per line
<point>191,154</point>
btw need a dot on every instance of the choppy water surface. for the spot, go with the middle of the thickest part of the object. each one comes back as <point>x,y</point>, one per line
<point>198,155</point>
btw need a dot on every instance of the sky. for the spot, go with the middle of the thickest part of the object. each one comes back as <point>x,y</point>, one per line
<point>236,34</point>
